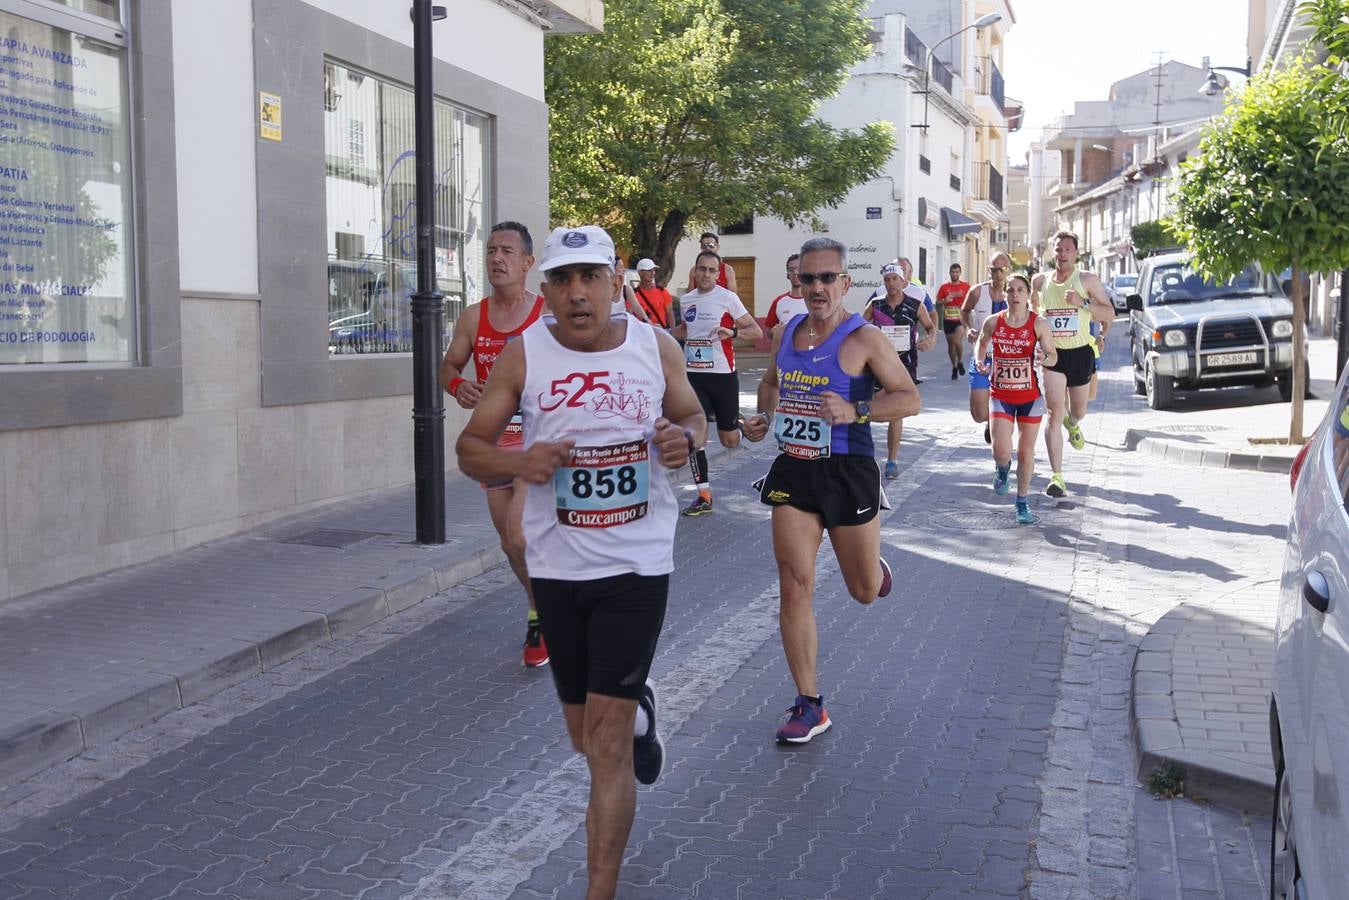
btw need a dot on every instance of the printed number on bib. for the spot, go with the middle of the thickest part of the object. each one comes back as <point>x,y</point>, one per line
<point>1012,374</point>
<point>603,486</point>
<point>1063,322</point>
<point>952,313</point>
<point>899,336</point>
<point>799,429</point>
<point>699,355</point>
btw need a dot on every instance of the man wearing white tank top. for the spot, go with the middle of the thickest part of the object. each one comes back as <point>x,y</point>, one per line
<point>606,407</point>
<point>984,300</point>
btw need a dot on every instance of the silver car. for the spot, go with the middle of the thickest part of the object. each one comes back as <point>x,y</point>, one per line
<point>1309,709</point>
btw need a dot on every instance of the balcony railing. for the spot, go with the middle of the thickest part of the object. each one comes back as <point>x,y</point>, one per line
<point>990,81</point>
<point>916,51</point>
<point>988,184</point>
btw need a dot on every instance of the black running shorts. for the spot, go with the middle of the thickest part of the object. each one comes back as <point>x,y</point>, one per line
<point>841,490</point>
<point>601,634</point>
<point>1076,365</point>
<point>719,393</point>
<point>950,326</point>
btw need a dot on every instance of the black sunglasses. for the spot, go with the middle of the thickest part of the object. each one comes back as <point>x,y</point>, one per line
<point>821,277</point>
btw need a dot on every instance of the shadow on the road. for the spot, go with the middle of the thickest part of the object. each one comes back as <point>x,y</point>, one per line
<point>1166,509</point>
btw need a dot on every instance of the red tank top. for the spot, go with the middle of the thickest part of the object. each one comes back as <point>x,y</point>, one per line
<point>1014,378</point>
<point>488,342</point>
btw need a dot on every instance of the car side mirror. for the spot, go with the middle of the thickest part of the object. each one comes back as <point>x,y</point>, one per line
<point>1134,302</point>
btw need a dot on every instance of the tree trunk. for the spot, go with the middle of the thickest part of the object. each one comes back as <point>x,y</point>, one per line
<point>1299,355</point>
<point>660,243</point>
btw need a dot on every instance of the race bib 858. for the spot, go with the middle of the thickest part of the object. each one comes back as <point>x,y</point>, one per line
<point>603,486</point>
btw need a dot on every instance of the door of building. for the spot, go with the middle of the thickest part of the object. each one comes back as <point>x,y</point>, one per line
<point>744,280</point>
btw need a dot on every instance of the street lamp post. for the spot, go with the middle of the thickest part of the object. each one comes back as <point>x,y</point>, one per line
<point>428,308</point>
<point>979,23</point>
<point>1212,85</point>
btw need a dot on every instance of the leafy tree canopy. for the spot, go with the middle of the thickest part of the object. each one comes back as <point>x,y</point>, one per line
<point>1330,19</point>
<point>700,111</point>
<point>1147,237</point>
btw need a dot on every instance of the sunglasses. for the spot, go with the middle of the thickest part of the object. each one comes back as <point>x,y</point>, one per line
<point>821,277</point>
<point>999,268</point>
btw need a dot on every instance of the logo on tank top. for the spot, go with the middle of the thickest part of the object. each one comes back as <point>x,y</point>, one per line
<point>604,395</point>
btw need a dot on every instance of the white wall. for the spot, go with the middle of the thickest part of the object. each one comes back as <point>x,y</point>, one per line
<point>213,130</point>
<point>471,37</point>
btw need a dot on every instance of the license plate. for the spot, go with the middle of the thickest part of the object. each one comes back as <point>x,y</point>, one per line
<point>1231,359</point>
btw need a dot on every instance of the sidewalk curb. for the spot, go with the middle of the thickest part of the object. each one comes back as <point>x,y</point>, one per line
<point>1208,458</point>
<point>1155,729</point>
<point>60,734</point>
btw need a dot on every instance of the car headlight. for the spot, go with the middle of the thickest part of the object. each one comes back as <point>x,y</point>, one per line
<point>1174,338</point>
<point>1282,328</point>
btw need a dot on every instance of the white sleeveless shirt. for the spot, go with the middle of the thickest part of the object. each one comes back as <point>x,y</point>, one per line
<point>983,307</point>
<point>611,509</point>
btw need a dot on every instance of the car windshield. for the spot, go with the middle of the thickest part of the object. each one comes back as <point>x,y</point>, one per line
<point>1125,281</point>
<point>1179,283</point>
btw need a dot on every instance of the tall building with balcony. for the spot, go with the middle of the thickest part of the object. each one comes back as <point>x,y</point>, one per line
<point>945,172</point>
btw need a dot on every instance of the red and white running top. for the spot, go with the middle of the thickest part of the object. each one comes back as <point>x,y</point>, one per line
<point>487,346</point>
<point>1014,378</point>
<point>704,314</point>
<point>784,308</point>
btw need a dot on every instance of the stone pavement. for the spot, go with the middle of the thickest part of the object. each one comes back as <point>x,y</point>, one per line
<point>981,747</point>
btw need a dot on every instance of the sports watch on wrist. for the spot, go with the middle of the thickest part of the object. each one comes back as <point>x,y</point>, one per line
<point>863,411</point>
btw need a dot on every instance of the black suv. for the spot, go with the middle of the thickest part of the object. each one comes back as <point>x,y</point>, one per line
<point>1187,332</point>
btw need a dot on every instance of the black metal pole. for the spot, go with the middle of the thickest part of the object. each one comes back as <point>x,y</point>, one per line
<point>428,310</point>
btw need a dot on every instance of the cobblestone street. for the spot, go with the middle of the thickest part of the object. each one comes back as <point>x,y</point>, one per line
<point>980,747</point>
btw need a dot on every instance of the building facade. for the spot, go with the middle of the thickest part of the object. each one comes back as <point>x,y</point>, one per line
<point>932,202</point>
<point>207,249</point>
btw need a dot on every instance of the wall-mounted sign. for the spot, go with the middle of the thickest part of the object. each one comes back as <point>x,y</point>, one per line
<point>269,115</point>
<point>873,212</point>
<point>927,213</point>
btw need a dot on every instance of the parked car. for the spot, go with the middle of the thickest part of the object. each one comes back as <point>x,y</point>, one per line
<point>1187,332</point>
<point>1121,286</point>
<point>1309,706</point>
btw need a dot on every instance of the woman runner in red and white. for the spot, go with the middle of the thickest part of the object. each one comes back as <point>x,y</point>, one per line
<point>1014,384</point>
<point>480,334</point>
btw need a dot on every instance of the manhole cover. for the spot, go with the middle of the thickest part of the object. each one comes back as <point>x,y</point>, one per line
<point>1190,429</point>
<point>973,519</point>
<point>328,537</point>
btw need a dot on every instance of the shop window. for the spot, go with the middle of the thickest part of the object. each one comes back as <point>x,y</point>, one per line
<point>67,273</point>
<point>369,137</point>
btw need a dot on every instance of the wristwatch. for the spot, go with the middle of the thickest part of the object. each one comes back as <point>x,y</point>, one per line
<point>863,411</point>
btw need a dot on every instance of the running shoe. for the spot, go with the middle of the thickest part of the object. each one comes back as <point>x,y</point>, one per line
<point>887,579</point>
<point>1000,486</point>
<point>648,752</point>
<point>535,650</point>
<point>955,373</point>
<point>1075,437</point>
<point>891,469</point>
<point>1056,486</point>
<point>988,433</point>
<point>962,368</point>
<point>805,719</point>
<point>700,507</point>
<point>1023,515</point>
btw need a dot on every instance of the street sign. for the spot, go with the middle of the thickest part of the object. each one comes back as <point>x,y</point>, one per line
<point>873,212</point>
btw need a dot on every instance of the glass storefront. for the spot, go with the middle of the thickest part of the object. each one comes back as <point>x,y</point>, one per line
<point>369,141</point>
<point>66,263</point>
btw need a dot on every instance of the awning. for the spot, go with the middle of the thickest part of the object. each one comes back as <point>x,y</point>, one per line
<point>957,223</point>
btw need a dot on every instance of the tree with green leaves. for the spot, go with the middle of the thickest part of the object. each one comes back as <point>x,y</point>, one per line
<point>1268,185</point>
<point>1330,21</point>
<point>691,112</point>
<point>1149,237</point>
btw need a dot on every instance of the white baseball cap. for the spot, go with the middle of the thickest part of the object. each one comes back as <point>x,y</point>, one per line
<point>644,265</point>
<point>588,244</point>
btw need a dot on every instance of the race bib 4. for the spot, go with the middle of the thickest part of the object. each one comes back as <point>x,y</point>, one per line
<point>699,355</point>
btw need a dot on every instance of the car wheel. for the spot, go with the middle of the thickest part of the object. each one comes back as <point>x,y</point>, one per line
<point>1284,872</point>
<point>1160,389</point>
<point>1139,388</point>
<point>1285,380</point>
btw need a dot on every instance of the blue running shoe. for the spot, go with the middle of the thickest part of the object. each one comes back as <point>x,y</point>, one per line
<point>1023,513</point>
<point>805,719</point>
<point>1000,486</point>
<point>891,469</point>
